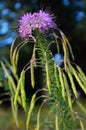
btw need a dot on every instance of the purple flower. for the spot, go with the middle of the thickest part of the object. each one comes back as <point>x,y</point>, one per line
<point>43,21</point>
<point>25,25</point>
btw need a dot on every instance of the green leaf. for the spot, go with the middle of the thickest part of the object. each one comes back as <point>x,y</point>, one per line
<point>47,75</point>
<point>1,84</point>
<point>56,122</point>
<point>17,93</point>
<point>13,86</point>
<point>72,83</point>
<point>81,107</point>
<point>14,111</point>
<point>66,47</point>
<point>82,125</point>
<point>82,79</point>
<point>79,81</point>
<point>38,120</point>
<point>62,82</point>
<point>68,91</point>
<point>23,94</point>
<point>32,74</point>
<point>30,111</point>
<point>11,68</point>
<point>77,77</point>
<point>81,72</point>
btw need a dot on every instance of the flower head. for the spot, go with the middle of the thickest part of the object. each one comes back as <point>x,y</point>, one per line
<point>43,21</point>
<point>25,25</point>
